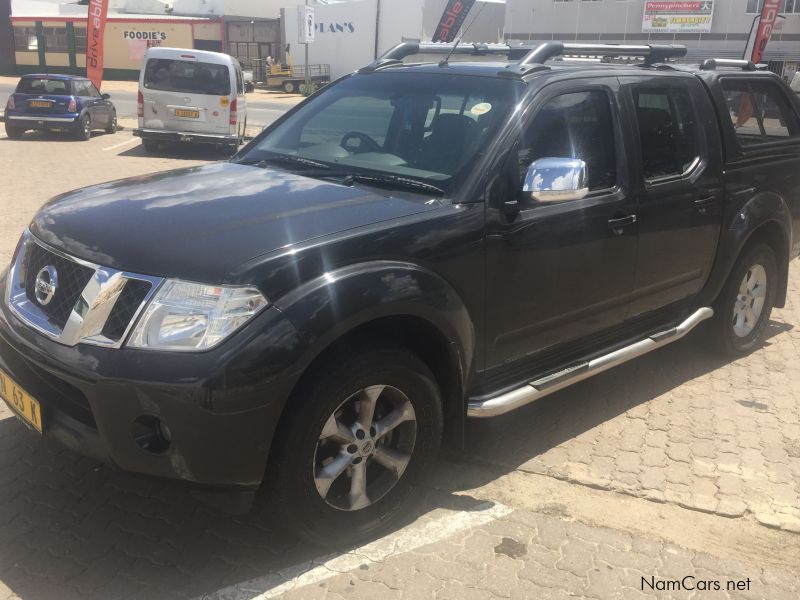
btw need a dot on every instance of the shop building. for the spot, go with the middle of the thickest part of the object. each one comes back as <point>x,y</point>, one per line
<point>709,28</point>
<point>51,37</point>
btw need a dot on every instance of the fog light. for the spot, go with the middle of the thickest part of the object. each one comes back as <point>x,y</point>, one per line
<point>151,435</point>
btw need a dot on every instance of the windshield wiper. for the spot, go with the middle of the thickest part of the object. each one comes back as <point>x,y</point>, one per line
<point>388,181</point>
<point>285,159</point>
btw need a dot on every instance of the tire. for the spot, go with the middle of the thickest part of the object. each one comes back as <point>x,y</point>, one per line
<point>289,87</point>
<point>743,309</point>
<point>84,131</point>
<point>14,133</point>
<point>112,127</point>
<point>302,449</point>
<point>150,146</point>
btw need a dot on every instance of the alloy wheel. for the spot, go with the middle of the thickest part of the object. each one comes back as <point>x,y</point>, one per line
<point>364,447</point>
<point>750,301</point>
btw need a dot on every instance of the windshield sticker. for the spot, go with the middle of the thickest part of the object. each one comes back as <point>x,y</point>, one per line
<point>481,109</point>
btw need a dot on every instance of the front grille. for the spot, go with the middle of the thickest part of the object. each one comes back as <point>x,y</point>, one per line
<point>72,279</point>
<point>128,302</point>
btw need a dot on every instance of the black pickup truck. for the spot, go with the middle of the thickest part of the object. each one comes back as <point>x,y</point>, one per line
<point>416,244</point>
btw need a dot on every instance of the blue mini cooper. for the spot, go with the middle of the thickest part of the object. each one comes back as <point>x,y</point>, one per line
<point>59,103</point>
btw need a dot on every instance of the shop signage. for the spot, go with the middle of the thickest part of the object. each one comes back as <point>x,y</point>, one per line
<point>675,16</point>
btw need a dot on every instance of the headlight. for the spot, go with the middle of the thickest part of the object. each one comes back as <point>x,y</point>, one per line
<point>185,317</point>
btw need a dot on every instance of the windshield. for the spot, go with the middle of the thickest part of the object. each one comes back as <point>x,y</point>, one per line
<point>32,85</point>
<point>425,127</point>
<point>191,77</point>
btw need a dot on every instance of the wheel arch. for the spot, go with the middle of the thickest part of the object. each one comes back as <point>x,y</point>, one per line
<point>399,303</point>
<point>763,218</point>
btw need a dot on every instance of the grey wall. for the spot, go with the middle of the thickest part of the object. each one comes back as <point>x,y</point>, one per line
<point>621,20</point>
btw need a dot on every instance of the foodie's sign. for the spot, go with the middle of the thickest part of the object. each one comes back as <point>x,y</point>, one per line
<point>689,16</point>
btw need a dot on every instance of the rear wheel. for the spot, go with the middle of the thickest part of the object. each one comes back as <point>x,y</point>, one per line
<point>743,309</point>
<point>84,131</point>
<point>112,125</point>
<point>150,146</point>
<point>14,133</point>
<point>348,456</point>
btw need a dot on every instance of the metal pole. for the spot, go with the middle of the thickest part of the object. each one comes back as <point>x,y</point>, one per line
<point>377,27</point>
<point>308,78</point>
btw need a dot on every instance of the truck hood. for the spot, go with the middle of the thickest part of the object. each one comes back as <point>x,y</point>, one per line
<point>203,223</point>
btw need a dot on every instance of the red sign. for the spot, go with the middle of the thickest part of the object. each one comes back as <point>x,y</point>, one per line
<point>453,18</point>
<point>94,40</point>
<point>769,14</point>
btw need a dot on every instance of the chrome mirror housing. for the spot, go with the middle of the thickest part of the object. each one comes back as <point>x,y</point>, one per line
<point>556,179</point>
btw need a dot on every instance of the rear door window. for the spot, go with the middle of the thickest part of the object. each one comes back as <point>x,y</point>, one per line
<point>58,87</point>
<point>669,132</point>
<point>759,111</point>
<point>191,77</point>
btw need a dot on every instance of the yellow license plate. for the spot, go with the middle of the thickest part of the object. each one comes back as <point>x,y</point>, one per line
<point>41,104</point>
<point>189,114</point>
<point>25,405</point>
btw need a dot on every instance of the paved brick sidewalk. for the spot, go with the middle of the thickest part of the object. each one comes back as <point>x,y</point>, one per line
<point>528,556</point>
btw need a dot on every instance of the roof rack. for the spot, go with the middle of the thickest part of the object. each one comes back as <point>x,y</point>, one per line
<point>710,64</point>
<point>528,58</point>
<point>651,53</point>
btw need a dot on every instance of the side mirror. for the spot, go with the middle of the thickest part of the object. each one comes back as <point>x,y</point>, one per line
<point>556,179</point>
<point>106,96</point>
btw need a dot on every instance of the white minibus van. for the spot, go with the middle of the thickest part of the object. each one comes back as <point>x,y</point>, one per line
<point>190,96</point>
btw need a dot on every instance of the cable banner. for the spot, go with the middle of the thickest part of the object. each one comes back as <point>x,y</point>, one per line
<point>453,18</point>
<point>769,14</point>
<point>98,9</point>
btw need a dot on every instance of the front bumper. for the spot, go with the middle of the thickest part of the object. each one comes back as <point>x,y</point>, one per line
<point>161,135</point>
<point>44,122</point>
<point>221,406</point>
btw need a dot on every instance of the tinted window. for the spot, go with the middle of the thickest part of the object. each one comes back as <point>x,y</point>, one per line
<point>575,125</point>
<point>80,88</point>
<point>365,114</point>
<point>668,131</point>
<point>43,86</point>
<point>187,76</point>
<point>425,126</point>
<point>759,111</point>
<point>239,83</point>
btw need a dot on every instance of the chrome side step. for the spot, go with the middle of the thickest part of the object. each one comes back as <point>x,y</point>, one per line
<point>583,370</point>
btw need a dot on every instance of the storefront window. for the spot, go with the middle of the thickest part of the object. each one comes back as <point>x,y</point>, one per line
<point>25,39</point>
<point>55,39</point>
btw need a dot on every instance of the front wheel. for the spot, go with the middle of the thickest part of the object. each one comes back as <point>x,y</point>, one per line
<point>112,124</point>
<point>744,306</point>
<point>289,87</point>
<point>350,452</point>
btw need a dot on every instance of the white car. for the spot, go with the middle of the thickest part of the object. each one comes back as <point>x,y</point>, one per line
<point>190,96</point>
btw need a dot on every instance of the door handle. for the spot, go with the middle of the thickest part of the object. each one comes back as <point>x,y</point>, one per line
<point>618,224</point>
<point>702,203</point>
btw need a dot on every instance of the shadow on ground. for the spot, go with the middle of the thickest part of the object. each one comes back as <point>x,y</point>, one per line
<point>181,151</point>
<point>73,528</point>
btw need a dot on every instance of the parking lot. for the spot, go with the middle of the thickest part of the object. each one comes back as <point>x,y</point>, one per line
<point>680,464</point>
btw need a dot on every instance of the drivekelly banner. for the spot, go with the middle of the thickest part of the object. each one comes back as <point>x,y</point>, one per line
<point>769,14</point>
<point>98,9</point>
<point>453,18</point>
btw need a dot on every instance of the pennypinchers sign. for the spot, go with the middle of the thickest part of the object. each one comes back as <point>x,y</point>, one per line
<point>675,16</point>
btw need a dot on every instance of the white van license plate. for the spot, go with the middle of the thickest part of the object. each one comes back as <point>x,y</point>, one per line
<point>187,114</point>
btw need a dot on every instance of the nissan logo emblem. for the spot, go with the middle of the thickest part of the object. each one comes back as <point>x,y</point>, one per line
<point>46,285</point>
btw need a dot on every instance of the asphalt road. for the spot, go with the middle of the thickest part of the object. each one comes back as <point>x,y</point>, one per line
<point>260,112</point>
